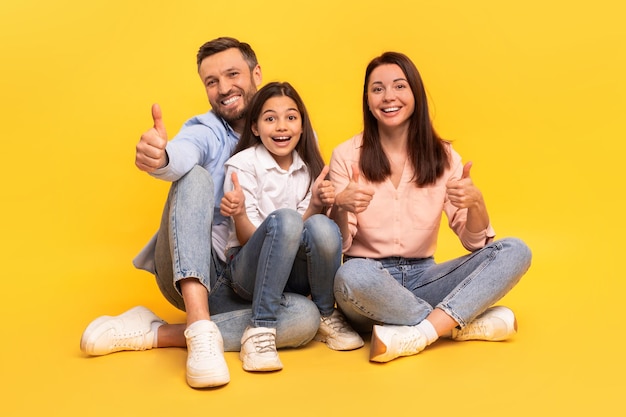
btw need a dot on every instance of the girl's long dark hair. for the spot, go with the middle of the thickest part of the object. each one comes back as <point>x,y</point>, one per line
<point>426,150</point>
<point>307,146</point>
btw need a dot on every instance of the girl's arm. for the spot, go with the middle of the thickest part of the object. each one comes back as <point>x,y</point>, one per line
<point>234,205</point>
<point>322,195</point>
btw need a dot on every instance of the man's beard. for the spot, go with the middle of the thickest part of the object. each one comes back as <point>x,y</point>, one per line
<point>235,116</point>
<point>232,117</point>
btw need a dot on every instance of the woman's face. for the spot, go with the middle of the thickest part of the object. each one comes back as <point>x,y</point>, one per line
<point>279,126</point>
<point>389,96</point>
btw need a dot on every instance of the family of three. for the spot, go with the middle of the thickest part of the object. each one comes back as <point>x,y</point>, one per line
<point>265,247</point>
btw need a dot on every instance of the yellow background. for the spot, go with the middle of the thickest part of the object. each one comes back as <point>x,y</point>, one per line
<point>533,92</point>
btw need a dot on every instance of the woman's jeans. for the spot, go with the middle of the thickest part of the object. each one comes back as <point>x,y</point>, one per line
<point>286,253</point>
<point>184,250</point>
<point>402,291</point>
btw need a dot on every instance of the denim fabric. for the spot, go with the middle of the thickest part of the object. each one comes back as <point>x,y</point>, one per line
<point>184,250</point>
<point>403,291</point>
<point>183,245</point>
<point>287,254</point>
<point>296,324</point>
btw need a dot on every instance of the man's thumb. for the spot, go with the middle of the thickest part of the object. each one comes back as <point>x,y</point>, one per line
<point>157,117</point>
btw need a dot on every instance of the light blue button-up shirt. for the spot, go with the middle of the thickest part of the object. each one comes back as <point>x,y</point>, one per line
<point>205,140</point>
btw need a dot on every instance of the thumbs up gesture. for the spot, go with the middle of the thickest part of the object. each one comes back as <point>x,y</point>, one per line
<point>150,151</point>
<point>462,192</point>
<point>323,191</point>
<point>355,197</point>
<point>234,202</point>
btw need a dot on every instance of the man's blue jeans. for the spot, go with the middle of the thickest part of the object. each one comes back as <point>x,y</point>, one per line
<point>184,250</point>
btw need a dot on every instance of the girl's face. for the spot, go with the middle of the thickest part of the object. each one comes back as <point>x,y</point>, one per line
<point>389,96</point>
<point>279,126</point>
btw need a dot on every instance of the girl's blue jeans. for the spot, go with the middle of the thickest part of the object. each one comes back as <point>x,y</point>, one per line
<point>286,253</point>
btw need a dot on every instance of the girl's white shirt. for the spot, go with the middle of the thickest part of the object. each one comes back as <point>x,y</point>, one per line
<point>266,186</point>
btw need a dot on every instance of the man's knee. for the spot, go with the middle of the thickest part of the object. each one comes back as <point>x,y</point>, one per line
<point>298,322</point>
<point>197,177</point>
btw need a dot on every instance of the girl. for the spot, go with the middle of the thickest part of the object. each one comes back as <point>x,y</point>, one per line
<point>396,180</point>
<point>279,241</point>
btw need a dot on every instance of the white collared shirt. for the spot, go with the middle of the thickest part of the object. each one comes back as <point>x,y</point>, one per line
<point>266,186</point>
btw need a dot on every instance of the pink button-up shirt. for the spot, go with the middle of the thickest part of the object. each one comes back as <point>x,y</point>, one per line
<point>402,221</point>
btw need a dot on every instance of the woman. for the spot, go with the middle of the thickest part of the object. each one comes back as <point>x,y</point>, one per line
<point>396,179</point>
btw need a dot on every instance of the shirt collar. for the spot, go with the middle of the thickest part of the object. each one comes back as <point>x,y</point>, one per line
<point>268,162</point>
<point>227,127</point>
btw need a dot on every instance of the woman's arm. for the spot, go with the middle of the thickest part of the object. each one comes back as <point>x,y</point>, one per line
<point>475,229</point>
<point>462,193</point>
<point>353,199</point>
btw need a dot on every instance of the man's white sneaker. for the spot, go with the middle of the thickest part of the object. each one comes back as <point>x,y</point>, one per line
<point>206,366</point>
<point>258,350</point>
<point>495,324</point>
<point>391,342</point>
<point>335,331</point>
<point>131,330</point>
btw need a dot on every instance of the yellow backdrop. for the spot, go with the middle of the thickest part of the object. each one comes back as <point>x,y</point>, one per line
<point>533,92</point>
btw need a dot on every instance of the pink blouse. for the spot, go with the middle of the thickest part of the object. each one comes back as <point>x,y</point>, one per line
<point>401,221</point>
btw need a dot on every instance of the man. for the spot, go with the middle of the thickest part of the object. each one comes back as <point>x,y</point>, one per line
<point>187,254</point>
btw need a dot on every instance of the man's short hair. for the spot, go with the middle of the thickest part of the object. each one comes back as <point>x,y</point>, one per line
<point>223,43</point>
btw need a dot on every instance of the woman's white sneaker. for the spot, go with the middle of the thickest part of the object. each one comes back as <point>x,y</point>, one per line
<point>390,342</point>
<point>495,324</point>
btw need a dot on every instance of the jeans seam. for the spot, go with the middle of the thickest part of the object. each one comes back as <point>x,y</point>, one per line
<point>355,304</point>
<point>271,233</point>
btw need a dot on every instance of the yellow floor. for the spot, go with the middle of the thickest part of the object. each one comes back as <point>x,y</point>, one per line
<point>567,358</point>
<point>533,93</point>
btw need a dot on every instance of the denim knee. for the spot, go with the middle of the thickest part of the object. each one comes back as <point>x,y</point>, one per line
<point>197,178</point>
<point>517,252</point>
<point>347,276</point>
<point>323,234</point>
<point>298,321</point>
<point>286,222</point>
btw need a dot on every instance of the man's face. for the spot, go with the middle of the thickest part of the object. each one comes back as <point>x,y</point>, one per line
<point>230,85</point>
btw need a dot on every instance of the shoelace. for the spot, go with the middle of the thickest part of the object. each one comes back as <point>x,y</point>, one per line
<point>474,329</point>
<point>131,340</point>
<point>336,322</point>
<point>202,345</point>
<point>264,342</point>
<point>410,344</point>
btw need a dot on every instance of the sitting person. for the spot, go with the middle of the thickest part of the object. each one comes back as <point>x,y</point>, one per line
<point>394,181</point>
<point>275,192</point>
<point>187,254</point>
